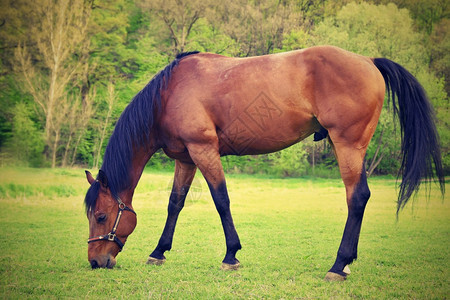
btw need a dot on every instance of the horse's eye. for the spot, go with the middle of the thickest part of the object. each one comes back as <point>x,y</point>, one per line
<point>101,218</point>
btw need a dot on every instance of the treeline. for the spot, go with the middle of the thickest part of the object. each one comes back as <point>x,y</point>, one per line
<point>69,67</point>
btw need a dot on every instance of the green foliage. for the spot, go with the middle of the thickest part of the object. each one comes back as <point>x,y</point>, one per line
<point>110,54</point>
<point>440,51</point>
<point>160,161</point>
<point>27,142</point>
<point>295,39</point>
<point>207,38</point>
<point>256,27</point>
<point>426,14</point>
<point>130,41</point>
<point>369,30</point>
<point>383,154</point>
<point>9,97</point>
<point>290,161</point>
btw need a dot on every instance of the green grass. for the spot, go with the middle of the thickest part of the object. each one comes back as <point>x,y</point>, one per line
<point>290,230</point>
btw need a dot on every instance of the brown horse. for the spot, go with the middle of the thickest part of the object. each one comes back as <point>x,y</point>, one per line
<point>203,106</point>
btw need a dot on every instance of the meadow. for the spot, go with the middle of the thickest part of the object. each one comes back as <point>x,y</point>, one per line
<point>290,230</point>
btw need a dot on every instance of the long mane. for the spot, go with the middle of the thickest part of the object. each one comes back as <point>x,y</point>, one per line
<point>132,131</point>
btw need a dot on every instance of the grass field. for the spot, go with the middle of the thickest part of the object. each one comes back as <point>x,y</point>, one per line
<point>290,230</point>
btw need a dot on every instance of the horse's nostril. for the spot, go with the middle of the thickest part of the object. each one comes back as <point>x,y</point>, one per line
<point>94,264</point>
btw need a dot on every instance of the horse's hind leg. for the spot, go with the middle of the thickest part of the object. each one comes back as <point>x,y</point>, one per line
<point>351,165</point>
<point>184,174</point>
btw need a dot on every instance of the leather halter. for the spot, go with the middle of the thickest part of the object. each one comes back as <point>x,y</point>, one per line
<point>111,236</point>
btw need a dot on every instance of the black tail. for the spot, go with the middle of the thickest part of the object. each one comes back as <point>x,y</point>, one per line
<point>420,141</point>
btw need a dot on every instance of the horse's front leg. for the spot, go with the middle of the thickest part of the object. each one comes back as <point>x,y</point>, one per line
<point>206,157</point>
<point>184,174</point>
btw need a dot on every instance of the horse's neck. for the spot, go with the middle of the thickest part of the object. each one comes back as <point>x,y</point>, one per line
<point>140,159</point>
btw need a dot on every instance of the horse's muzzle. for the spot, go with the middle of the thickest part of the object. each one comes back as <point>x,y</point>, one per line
<point>106,261</point>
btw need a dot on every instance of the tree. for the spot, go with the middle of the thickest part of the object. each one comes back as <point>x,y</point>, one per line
<point>111,99</point>
<point>424,13</point>
<point>78,119</point>
<point>61,42</point>
<point>256,26</point>
<point>178,17</point>
<point>14,15</point>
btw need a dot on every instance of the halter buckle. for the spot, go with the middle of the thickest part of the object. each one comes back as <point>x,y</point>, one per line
<point>122,205</point>
<point>111,236</point>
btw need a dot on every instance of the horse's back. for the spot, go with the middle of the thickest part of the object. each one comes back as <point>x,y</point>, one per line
<point>266,103</point>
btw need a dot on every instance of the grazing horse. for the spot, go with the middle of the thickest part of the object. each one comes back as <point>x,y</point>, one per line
<point>203,106</point>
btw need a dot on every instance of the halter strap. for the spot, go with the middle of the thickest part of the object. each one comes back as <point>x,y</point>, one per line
<point>111,236</point>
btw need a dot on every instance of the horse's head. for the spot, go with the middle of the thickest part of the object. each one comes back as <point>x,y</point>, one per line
<point>111,221</point>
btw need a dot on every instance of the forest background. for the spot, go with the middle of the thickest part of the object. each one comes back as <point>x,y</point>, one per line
<point>69,67</point>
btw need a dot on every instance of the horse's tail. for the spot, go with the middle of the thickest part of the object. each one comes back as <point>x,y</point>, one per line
<point>420,141</point>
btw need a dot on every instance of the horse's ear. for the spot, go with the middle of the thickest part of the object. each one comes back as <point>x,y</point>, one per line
<point>89,177</point>
<point>102,179</point>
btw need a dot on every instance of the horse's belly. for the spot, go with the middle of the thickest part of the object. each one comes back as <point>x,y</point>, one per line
<point>261,133</point>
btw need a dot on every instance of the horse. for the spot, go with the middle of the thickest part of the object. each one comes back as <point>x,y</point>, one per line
<point>203,106</point>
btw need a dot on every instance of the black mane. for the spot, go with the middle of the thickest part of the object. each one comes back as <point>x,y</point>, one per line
<point>132,129</point>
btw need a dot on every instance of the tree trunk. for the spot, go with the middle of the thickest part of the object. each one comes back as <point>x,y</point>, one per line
<point>111,99</point>
<point>55,149</point>
<point>376,161</point>
<point>66,151</point>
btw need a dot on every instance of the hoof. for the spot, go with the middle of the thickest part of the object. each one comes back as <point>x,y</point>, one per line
<point>347,270</point>
<point>334,277</point>
<point>227,267</point>
<point>155,261</point>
